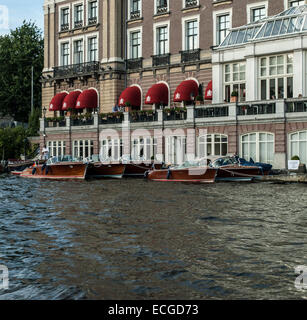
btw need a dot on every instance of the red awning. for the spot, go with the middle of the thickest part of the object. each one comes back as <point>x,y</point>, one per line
<point>70,100</point>
<point>57,101</point>
<point>132,95</point>
<point>208,92</point>
<point>88,99</point>
<point>158,93</point>
<point>186,91</point>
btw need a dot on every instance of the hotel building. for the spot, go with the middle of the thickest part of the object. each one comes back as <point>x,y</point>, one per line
<point>156,58</point>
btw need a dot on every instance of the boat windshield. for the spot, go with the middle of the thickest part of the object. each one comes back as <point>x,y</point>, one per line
<point>224,162</point>
<point>189,164</point>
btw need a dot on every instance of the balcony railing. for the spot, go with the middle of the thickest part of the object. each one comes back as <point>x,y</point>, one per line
<point>111,118</point>
<point>135,15</point>
<point>135,64</point>
<point>191,3</point>
<point>173,114</point>
<point>82,122</point>
<point>161,60</point>
<point>296,106</point>
<point>92,21</point>
<point>212,112</point>
<point>56,124</point>
<point>143,116</point>
<point>77,69</point>
<point>254,109</point>
<point>190,55</point>
<point>78,24</point>
<point>162,9</point>
<point>65,27</point>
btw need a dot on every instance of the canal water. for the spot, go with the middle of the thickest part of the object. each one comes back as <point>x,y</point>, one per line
<point>133,239</point>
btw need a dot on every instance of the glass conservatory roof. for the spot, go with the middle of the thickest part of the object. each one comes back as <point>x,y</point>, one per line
<point>290,21</point>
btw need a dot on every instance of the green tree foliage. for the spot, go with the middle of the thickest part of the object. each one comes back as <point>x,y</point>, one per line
<point>34,122</point>
<point>19,51</point>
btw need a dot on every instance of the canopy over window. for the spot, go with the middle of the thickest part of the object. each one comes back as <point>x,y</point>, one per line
<point>132,95</point>
<point>88,99</point>
<point>157,94</point>
<point>70,100</point>
<point>57,101</point>
<point>208,92</point>
<point>186,91</point>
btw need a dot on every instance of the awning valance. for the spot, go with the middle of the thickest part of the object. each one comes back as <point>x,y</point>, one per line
<point>208,92</point>
<point>70,100</point>
<point>186,91</point>
<point>57,101</point>
<point>132,95</point>
<point>157,94</point>
<point>88,99</point>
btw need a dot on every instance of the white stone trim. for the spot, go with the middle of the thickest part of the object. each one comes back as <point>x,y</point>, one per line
<point>155,6</point>
<point>129,31</point>
<point>60,42</point>
<point>87,37</point>
<point>73,5</point>
<point>255,5</point>
<point>87,11</point>
<point>184,20</point>
<point>216,14</point>
<point>64,6</point>
<point>155,27</point>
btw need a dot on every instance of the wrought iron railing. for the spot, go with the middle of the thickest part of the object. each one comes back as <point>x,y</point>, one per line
<point>191,3</point>
<point>296,106</point>
<point>111,118</point>
<point>135,63</point>
<point>143,117</point>
<point>172,115</point>
<point>162,9</point>
<point>135,15</point>
<point>55,124</point>
<point>254,109</point>
<point>92,21</point>
<point>65,27</point>
<point>82,122</point>
<point>212,112</point>
<point>190,55</point>
<point>78,24</point>
<point>75,69</point>
<point>161,60</point>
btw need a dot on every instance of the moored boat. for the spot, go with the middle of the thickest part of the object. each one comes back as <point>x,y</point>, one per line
<point>106,170</point>
<point>138,169</point>
<point>188,172</point>
<point>54,169</point>
<point>230,169</point>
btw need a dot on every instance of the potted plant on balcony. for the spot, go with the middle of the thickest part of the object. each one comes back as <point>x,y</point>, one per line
<point>127,106</point>
<point>234,96</point>
<point>199,100</point>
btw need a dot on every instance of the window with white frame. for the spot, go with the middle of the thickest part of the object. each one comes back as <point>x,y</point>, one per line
<point>258,14</point>
<point>83,149</point>
<point>222,27</point>
<point>111,149</point>
<point>191,35</point>
<point>234,80</point>
<point>296,3</point>
<point>212,145</point>
<point>64,54</point>
<point>135,9</point>
<point>276,77</point>
<point>78,15</point>
<point>135,44</point>
<point>162,46</point>
<point>176,149</point>
<point>92,12</point>
<point>259,146</point>
<point>298,145</point>
<point>64,19</point>
<point>161,6</point>
<point>143,148</point>
<point>56,148</point>
<point>78,51</point>
<point>92,49</point>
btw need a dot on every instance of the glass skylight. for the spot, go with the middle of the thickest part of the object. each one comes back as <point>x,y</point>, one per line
<point>290,21</point>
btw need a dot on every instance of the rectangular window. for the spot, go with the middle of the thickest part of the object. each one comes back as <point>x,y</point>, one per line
<point>191,35</point>
<point>65,54</point>
<point>162,40</point>
<point>83,149</point>
<point>258,14</point>
<point>57,148</point>
<point>222,27</point>
<point>276,77</point>
<point>92,49</point>
<point>78,20</point>
<point>64,19</point>
<point>234,81</point>
<point>135,44</point>
<point>296,3</point>
<point>92,10</point>
<point>111,149</point>
<point>78,51</point>
<point>161,6</point>
<point>135,6</point>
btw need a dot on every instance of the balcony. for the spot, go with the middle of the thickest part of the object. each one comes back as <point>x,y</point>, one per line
<point>64,27</point>
<point>256,109</point>
<point>191,4</point>
<point>135,15</point>
<point>175,114</point>
<point>143,116</point>
<point>92,21</point>
<point>161,60</point>
<point>133,64</point>
<point>296,106</point>
<point>190,55</point>
<point>211,112</point>
<point>78,24</point>
<point>76,69</point>
<point>162,9</point>
<point>111,118</point>
<point>82,122</point>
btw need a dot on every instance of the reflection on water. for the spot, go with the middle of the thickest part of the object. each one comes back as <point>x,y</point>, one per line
<point>133,239</point>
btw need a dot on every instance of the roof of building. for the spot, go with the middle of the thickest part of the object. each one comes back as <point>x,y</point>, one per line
<point>290,21</point>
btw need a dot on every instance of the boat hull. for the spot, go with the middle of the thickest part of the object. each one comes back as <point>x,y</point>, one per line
<point>138,169</point>
<point>239,173</point>
<point>57,171</point>
<point>191,175</point>
<point>100,171</point>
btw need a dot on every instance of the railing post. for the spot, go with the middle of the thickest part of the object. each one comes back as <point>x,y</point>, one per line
<point>96,122</point>
<point>191,114</point>
<point>280,108</point>
<point>232,110</point>
<point>68,122</point>
<point>160,117</point>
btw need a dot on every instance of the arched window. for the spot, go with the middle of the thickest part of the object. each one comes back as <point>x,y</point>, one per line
<point>298,145</point>
<point>259,146</point>
<point>212,145</point>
